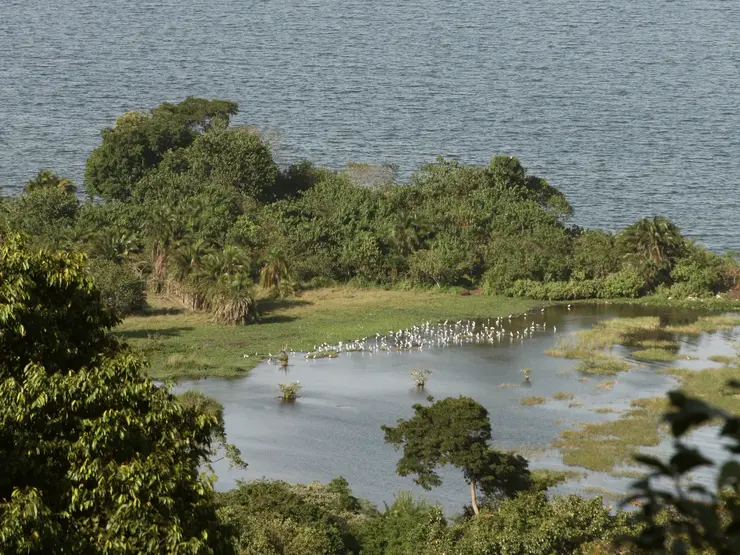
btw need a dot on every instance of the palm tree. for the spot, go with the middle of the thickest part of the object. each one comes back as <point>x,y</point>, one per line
<point>49,178</point>
<point>275,274</point>
<point>656,240</point>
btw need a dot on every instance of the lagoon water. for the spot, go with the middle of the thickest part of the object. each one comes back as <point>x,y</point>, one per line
<point>333,429</point>
<point>631,108</point>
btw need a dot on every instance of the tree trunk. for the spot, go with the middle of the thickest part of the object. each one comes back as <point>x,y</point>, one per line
<point>473,499</point>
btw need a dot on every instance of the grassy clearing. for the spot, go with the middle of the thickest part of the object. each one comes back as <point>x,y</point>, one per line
<point>655,355</point>
<point>532,400</point>
<point>323,315</point>
<point>602,364</point>
<point>563,396</point>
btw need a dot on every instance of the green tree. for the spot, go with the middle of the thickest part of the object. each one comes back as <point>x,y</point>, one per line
<point>94,457</point>
<point>454,431</point>
<point>49,178</point>
<point>138,141</point>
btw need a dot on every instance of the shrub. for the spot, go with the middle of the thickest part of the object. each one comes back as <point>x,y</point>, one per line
<point>594,255</point>
<point>628,282</point>
<point>121,289</point>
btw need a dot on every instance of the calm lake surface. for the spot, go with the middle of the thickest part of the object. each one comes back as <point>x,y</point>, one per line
<point>631,108</point>
<point>333,429</point>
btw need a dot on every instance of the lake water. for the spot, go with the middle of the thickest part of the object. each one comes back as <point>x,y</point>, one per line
<point>631,108</point>
<point>333,429</point>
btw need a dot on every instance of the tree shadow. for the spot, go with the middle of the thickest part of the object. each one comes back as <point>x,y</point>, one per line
<point>154,333</point>
<point>268,305</point>
<point>161,311</point>
<point>275,319</point>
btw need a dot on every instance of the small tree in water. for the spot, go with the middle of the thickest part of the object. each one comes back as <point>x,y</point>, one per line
<point>290,390</point>
<point>456,431</point>
<point>527,373</point>
<point>420,376</point>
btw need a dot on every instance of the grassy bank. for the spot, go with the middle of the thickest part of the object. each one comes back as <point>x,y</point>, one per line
<point>183,344</point>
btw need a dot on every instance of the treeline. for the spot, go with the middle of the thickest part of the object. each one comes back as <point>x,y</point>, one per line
<point>182,201</point>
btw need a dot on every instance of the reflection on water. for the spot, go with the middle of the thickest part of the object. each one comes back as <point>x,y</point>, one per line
<point>333,428</point>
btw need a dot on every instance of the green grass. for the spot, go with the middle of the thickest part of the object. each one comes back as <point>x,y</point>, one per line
<point>202,348</point>
<point>602,364</point>
<point>532,400</point>
<point>655,355</point>
<point>604,410</point>
<point>563,396</point>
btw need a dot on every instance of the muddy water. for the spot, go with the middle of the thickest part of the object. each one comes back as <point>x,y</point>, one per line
<point>333,429</point>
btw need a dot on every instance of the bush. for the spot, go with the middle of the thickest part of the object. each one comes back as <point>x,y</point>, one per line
<point>628,282</point>
<point>700,273</point>
<point>532,524</point>
<point>121,289</point>
<point>594,255</point>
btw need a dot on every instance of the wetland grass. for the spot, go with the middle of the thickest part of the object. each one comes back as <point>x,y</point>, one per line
<point>723,359</point>
<point>655,355</point>
<point>563,396</point>
<point>532,400</point>
<point>603,446</point>
<point>602,364</point>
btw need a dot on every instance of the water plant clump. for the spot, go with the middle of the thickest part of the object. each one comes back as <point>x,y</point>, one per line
<point>563,396</point>
<point>655,355</point>
<point>289,391</point>
<point>532,400</point>
<point>527,372</point>
<point>420,376</point>
<point>283,358</point>
<point>602,364</point>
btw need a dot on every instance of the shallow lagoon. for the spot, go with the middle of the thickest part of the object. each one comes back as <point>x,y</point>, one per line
<point>333,428</point>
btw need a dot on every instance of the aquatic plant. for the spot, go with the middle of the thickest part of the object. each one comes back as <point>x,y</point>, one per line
<point>602,364</point>
<point>283,358</point>
<point>289,391</point>
<point>527,373</point>
<point>420,376</point>
<point>563,396</point>
<point>532,400</point>
<point>655,355</point>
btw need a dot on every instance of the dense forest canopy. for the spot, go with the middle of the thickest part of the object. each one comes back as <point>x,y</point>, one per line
<point>199,209</point>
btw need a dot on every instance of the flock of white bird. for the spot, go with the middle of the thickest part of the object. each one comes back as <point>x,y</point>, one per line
<point>515,328</point>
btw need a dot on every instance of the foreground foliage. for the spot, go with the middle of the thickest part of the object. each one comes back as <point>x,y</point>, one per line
<point>94,458</point>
